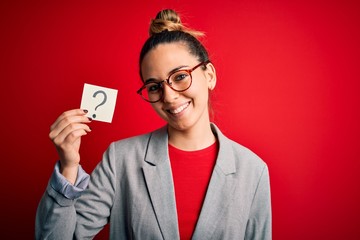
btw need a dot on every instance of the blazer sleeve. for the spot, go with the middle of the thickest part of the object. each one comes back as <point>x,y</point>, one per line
<point>259,223</point>
<point>59,217</point>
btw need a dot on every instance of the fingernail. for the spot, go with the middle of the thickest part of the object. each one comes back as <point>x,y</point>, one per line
<point>85,111</point>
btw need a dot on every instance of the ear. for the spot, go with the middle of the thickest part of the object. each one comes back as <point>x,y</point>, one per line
<point>210,74</point>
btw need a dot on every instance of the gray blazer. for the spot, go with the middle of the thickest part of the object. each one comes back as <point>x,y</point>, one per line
<point>132,188</point>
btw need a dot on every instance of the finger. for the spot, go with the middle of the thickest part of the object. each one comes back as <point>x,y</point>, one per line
<point>68,143</point>
<point>69,149</point>
<point>74,136</point>
<point>73,112</point>
<point>71,129</point>
<point>65,122</point>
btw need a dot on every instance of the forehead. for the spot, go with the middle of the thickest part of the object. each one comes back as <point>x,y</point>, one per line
<point>165,57</point>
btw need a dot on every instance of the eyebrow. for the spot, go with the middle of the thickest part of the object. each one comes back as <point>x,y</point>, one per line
<point>171,72</point>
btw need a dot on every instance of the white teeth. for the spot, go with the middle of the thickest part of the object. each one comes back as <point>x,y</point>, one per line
<point>179,109</point>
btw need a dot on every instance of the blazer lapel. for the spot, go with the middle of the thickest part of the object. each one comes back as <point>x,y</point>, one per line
<point>158,176</point>
<point>220,188</point>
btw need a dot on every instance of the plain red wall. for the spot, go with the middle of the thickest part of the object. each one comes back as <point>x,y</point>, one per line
<point>288,88</point>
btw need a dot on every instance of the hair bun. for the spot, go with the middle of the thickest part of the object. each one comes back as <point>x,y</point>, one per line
<point>170,20</point>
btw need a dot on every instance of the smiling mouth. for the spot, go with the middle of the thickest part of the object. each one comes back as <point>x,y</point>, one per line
<point>179,109</point>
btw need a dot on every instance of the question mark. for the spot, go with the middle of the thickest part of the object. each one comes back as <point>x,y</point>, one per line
<point>103,101</point>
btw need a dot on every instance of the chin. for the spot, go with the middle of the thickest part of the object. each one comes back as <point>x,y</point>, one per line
<point>180,125</point>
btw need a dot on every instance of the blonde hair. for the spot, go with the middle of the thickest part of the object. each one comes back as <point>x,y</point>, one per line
<point>168,28</point>
<point>170,20</point>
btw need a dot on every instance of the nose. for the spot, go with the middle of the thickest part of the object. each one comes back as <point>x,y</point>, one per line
<point>169,94</point>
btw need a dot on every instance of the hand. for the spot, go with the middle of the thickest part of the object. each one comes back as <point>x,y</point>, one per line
<point>66,133</point>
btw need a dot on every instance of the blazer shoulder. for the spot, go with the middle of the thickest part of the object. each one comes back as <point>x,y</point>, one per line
<point>131,141</point>
<point>135,144</point>
<point>244,158</point>
<point>247,153</point>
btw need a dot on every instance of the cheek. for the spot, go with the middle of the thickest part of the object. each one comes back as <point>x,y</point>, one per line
<point>156,106</point>
<point>198,90</point>
<point>158,109</point>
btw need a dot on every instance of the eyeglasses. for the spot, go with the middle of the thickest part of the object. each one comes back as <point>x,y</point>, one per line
<point>180,81</point>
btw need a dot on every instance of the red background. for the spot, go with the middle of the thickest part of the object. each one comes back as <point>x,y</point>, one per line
<point>288,88</point>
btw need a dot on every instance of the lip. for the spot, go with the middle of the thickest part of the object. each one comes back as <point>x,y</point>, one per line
<point>175,111</point>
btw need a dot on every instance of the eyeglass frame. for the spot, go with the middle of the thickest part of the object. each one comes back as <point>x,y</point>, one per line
<point>160,83</point>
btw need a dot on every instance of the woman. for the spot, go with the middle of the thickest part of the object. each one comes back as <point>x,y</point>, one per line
<point>185,180</point>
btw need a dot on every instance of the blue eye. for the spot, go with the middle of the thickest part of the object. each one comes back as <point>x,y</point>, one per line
<point>153,87</point>
<point>180,76</point>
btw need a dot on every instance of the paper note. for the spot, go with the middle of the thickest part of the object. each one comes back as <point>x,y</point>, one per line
<point>99,101</point>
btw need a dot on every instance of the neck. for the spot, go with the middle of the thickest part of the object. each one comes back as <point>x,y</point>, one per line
<point>192,139</point>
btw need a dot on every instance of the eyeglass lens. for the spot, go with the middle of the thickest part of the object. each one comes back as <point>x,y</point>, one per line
<point>178,81</point>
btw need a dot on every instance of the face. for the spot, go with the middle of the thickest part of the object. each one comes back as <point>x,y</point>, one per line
<point>182,110</point>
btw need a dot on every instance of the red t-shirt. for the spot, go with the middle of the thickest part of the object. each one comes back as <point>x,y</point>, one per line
<point>191,174</point>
